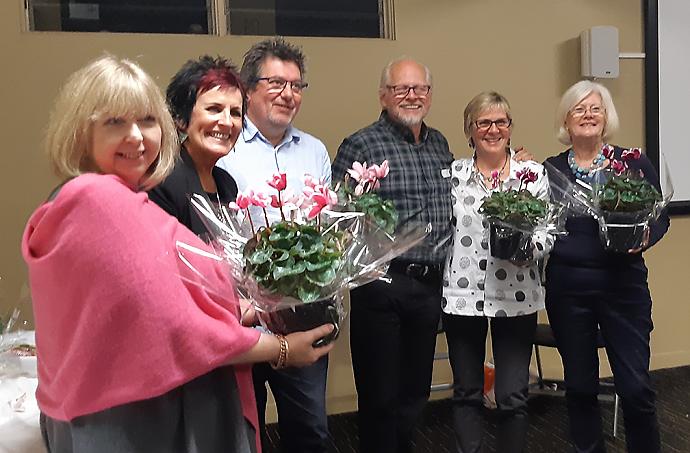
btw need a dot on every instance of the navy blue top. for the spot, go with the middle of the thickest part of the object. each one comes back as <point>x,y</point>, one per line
<point>581,248</point>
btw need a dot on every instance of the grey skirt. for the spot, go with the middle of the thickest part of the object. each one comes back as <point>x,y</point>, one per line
<point>201,416</point>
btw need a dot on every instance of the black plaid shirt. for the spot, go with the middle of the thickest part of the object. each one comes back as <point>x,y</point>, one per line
<point>418,182</point>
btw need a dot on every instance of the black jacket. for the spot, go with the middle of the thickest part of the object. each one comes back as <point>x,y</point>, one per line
<point>173,193</point>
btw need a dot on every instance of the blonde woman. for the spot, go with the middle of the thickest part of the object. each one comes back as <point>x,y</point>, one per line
<point>134,355</point>
<point>480,290</point>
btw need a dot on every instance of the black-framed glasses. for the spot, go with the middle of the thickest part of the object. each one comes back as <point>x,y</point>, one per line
<point>501,123</point>
<point>278,84</point>
<point>400,91</point>
<point>594,110</point>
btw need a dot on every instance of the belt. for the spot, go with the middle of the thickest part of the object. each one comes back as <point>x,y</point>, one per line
<point>415,270</point>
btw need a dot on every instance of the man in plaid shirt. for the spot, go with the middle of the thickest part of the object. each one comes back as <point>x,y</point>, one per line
<point>393,325</point>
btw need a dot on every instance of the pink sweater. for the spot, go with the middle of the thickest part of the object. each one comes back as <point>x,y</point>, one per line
<point>117,317</point>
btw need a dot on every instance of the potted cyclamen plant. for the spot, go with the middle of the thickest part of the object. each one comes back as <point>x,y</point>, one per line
<point>626,200</point>
<point>296,269</point>
<point>512,215</point>
<point>294,259</point>
<point>362,198</point>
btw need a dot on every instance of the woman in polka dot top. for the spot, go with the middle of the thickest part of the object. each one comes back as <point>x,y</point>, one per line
<point>479,289</point>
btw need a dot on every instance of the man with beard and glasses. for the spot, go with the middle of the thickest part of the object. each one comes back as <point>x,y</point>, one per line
<point>393,325</point>
<point>273,73</point>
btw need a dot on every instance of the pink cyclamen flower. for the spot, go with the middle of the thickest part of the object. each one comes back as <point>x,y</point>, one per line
<point>331,196</point>
<point>260,199</point>
<point>321,199</point>
<point>631,154</point>
<point>619,166</point>
<point>243,200</point>
<point>383,170</point>
<point>358,171</point>
<point>359,190</point>
<point>275,202</point>
<point>308,191</point>
<point>376,172</point>
<point>494,179</point>
<point>292,202</point>
<point>526,175</point>
<point>309,181</point>
<point>279,181</point>
<point>607,151</point>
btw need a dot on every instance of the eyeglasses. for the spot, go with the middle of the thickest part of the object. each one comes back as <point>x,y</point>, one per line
<point>501,123</point>
<point>580,110</point>
<point>277,85</point>
<point>401,91</point>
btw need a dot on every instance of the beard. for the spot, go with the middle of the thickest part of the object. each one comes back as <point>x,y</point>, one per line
<point>409,119</point>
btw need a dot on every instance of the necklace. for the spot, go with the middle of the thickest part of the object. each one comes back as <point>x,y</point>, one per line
<point>586,174</point>
<point>489,179</point>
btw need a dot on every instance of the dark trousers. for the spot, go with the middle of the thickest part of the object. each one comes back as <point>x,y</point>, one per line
<point>393,341</point>
<point>624,316</point>
<point>300,395</point>
<point>511,340</point>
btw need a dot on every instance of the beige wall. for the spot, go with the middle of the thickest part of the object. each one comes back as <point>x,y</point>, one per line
<point>528,50</point>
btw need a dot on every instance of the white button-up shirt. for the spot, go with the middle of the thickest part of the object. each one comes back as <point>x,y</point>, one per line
<point>475,283</point>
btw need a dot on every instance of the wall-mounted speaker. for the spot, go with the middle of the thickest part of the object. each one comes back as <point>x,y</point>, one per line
<point>599,52</point>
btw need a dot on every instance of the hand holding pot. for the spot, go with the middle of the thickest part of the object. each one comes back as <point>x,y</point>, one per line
<point>301,350</point>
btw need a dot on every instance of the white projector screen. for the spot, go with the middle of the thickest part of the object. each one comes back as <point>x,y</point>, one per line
<point>667,74</point>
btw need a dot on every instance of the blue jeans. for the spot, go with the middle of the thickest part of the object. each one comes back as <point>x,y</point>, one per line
<point>300,395</point>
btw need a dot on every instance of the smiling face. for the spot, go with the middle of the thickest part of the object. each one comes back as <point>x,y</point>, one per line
<point>125,147</point>
<point>273,111</point>
<point>214,124</point>
<point>494,139</point>
<point>586,120</point>
<point>411,109</point>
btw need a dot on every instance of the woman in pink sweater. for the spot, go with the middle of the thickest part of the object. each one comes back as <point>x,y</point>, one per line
<point>134,354</point>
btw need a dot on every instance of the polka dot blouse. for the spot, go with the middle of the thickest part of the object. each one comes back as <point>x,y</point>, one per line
<point>474,282</point>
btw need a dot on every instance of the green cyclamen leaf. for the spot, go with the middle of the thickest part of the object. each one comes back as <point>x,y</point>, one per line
<point>260,256</point>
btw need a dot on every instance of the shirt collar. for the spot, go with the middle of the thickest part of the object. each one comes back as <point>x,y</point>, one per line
<point>250,132</point>
<point>403,131</point>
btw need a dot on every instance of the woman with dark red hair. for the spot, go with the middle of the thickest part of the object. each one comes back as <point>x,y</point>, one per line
<point>206,100</point>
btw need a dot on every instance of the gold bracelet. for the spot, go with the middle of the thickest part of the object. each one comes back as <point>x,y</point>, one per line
<point>282,354</point>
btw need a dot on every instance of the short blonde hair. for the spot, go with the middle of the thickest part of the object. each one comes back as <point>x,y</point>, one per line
<point>573,96</point>
<point>480,103</point>
<point>107,86</point>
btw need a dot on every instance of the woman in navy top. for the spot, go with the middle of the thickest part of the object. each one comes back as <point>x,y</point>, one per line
<point>590,288</point>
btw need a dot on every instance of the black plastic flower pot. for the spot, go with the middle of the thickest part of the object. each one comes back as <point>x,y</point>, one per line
<point>305,317</point>
<point>504,241</point>
<point>524,253</point>
<point>622,231</point>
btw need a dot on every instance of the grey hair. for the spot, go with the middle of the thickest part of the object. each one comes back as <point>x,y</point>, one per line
<point>573,96</point>
<point>386,73</point>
